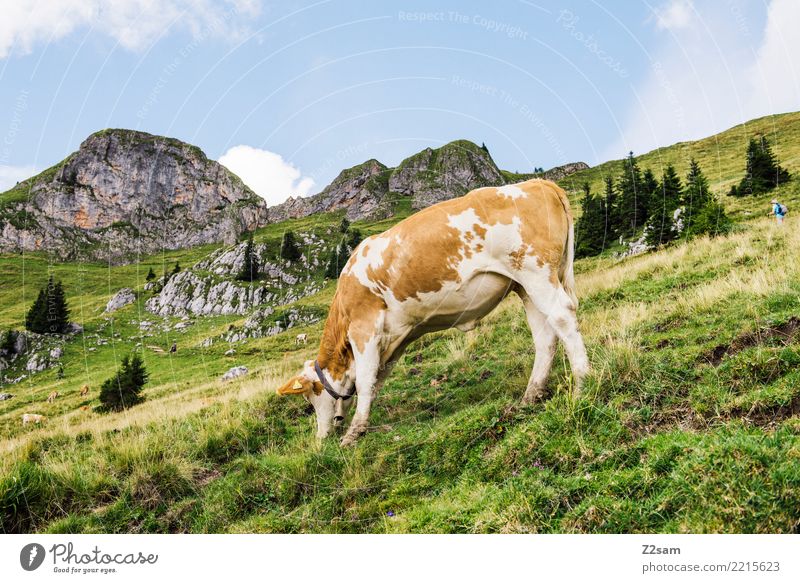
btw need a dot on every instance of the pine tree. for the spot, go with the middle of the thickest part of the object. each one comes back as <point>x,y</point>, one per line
<point>8,343</point>
<point>49,314</point>
<point>696,195</point>
<point>344,226</point>
<point>610,199</point>
<point>703,213</point>
<point>289,249</point>
<point>650,189</point>
<point>354,238</point>
<point>632,204</point>
<point>151,275</point>
<point>591,228</point>
<point>249,270</point>
<point>762,171</point>
<point>124,389</point>
<point>661,227</point>
<point>176,269</point>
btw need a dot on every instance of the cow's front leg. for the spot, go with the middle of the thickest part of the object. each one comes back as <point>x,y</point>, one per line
<point>367,384</point>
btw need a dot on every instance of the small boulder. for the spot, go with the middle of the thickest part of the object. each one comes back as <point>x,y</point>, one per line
<point>121,299</point>
<point>6,396</point>
<point>235,372</point>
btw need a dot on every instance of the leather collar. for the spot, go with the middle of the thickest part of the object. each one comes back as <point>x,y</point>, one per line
<point>331,391</point>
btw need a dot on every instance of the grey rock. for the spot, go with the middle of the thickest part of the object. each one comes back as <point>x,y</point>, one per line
<point>6,396</point>
<point>37,363</point>
<point>121,299</point>
<point>235,372</point>
<point>56,353</point>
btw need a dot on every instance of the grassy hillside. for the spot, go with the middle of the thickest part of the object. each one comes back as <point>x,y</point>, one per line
<point>721,156</point>
<point>690,421</point>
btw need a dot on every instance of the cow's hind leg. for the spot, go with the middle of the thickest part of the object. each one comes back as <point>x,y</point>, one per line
<point>559,310</point>
<point>544,340</point>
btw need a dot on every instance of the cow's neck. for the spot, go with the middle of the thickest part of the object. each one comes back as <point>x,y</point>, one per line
<point>335,354</point>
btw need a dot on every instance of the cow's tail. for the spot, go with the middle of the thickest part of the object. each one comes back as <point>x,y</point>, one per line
<point>566,273</point>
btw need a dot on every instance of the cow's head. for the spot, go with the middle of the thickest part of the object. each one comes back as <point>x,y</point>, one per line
<point>330,410</point>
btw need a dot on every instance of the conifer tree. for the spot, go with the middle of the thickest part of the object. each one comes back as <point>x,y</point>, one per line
<point>762,171</point>
<point>591,228</point>
<point>289,248</point>
<point>632,203</point>
<point>661,227</point>
<point>49,314</point>
<point>610,199</point>
<point>151,275</point>
<point>703,213</point>
<point>124,389</point>
<point>250,267</point>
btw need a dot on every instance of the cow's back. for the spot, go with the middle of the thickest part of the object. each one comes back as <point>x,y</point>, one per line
<point>488,228</point>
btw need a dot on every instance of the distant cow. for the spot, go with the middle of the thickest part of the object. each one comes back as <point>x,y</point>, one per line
<point>33,418</point>
<point>447,266</point>
<point>52,396</point>
<point>301,338</point>
<point>84,390</point>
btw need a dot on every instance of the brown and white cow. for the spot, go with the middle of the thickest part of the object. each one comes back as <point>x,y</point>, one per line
<point>446,266</point>
<point>52,397</point>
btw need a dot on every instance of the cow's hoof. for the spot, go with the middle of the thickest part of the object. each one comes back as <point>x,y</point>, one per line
<point>529,399</point>
<point>348,440</point>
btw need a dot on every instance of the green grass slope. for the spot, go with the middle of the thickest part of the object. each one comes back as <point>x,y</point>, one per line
<point>690,421</point>
<point>721,157</point>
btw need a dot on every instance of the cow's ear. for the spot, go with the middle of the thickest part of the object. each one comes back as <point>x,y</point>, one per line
<point>317,388</point>
<point>294,386</point>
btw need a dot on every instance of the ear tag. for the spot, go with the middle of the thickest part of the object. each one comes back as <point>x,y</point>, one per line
<point>297,385</point>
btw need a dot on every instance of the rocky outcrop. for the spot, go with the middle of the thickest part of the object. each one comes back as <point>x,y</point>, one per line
<point>453,170</point>
<point>28,353</point>
<point>561,172</point>
<point>360,190</point>
<point>126,192</point>
<point>267,322</point>
<point>121,299</point>
<point>209,287</point>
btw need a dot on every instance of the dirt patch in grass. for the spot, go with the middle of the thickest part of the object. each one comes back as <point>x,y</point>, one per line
<point>768,415</point>
<point>783,333</point>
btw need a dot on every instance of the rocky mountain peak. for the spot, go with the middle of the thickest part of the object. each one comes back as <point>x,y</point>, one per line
<point>126,191</point>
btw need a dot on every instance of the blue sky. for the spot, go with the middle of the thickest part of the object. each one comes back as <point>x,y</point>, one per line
<point>289,93</point>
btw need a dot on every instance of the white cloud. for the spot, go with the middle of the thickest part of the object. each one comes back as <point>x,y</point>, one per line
<point>267,173</point>
<point>674,15</point>
<point>133,23</point>
<point>713,74</point>
<point>775,75</point>
<point>10,175</point>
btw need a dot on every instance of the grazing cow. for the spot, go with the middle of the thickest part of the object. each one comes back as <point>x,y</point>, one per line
<point>52,396</point>
<point>446,266</point>
<point>84,390</point>
<point>301,338</point>
<point>33,418</point>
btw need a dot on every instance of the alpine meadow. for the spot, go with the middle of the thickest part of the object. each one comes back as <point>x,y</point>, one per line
<point>688,422</point>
